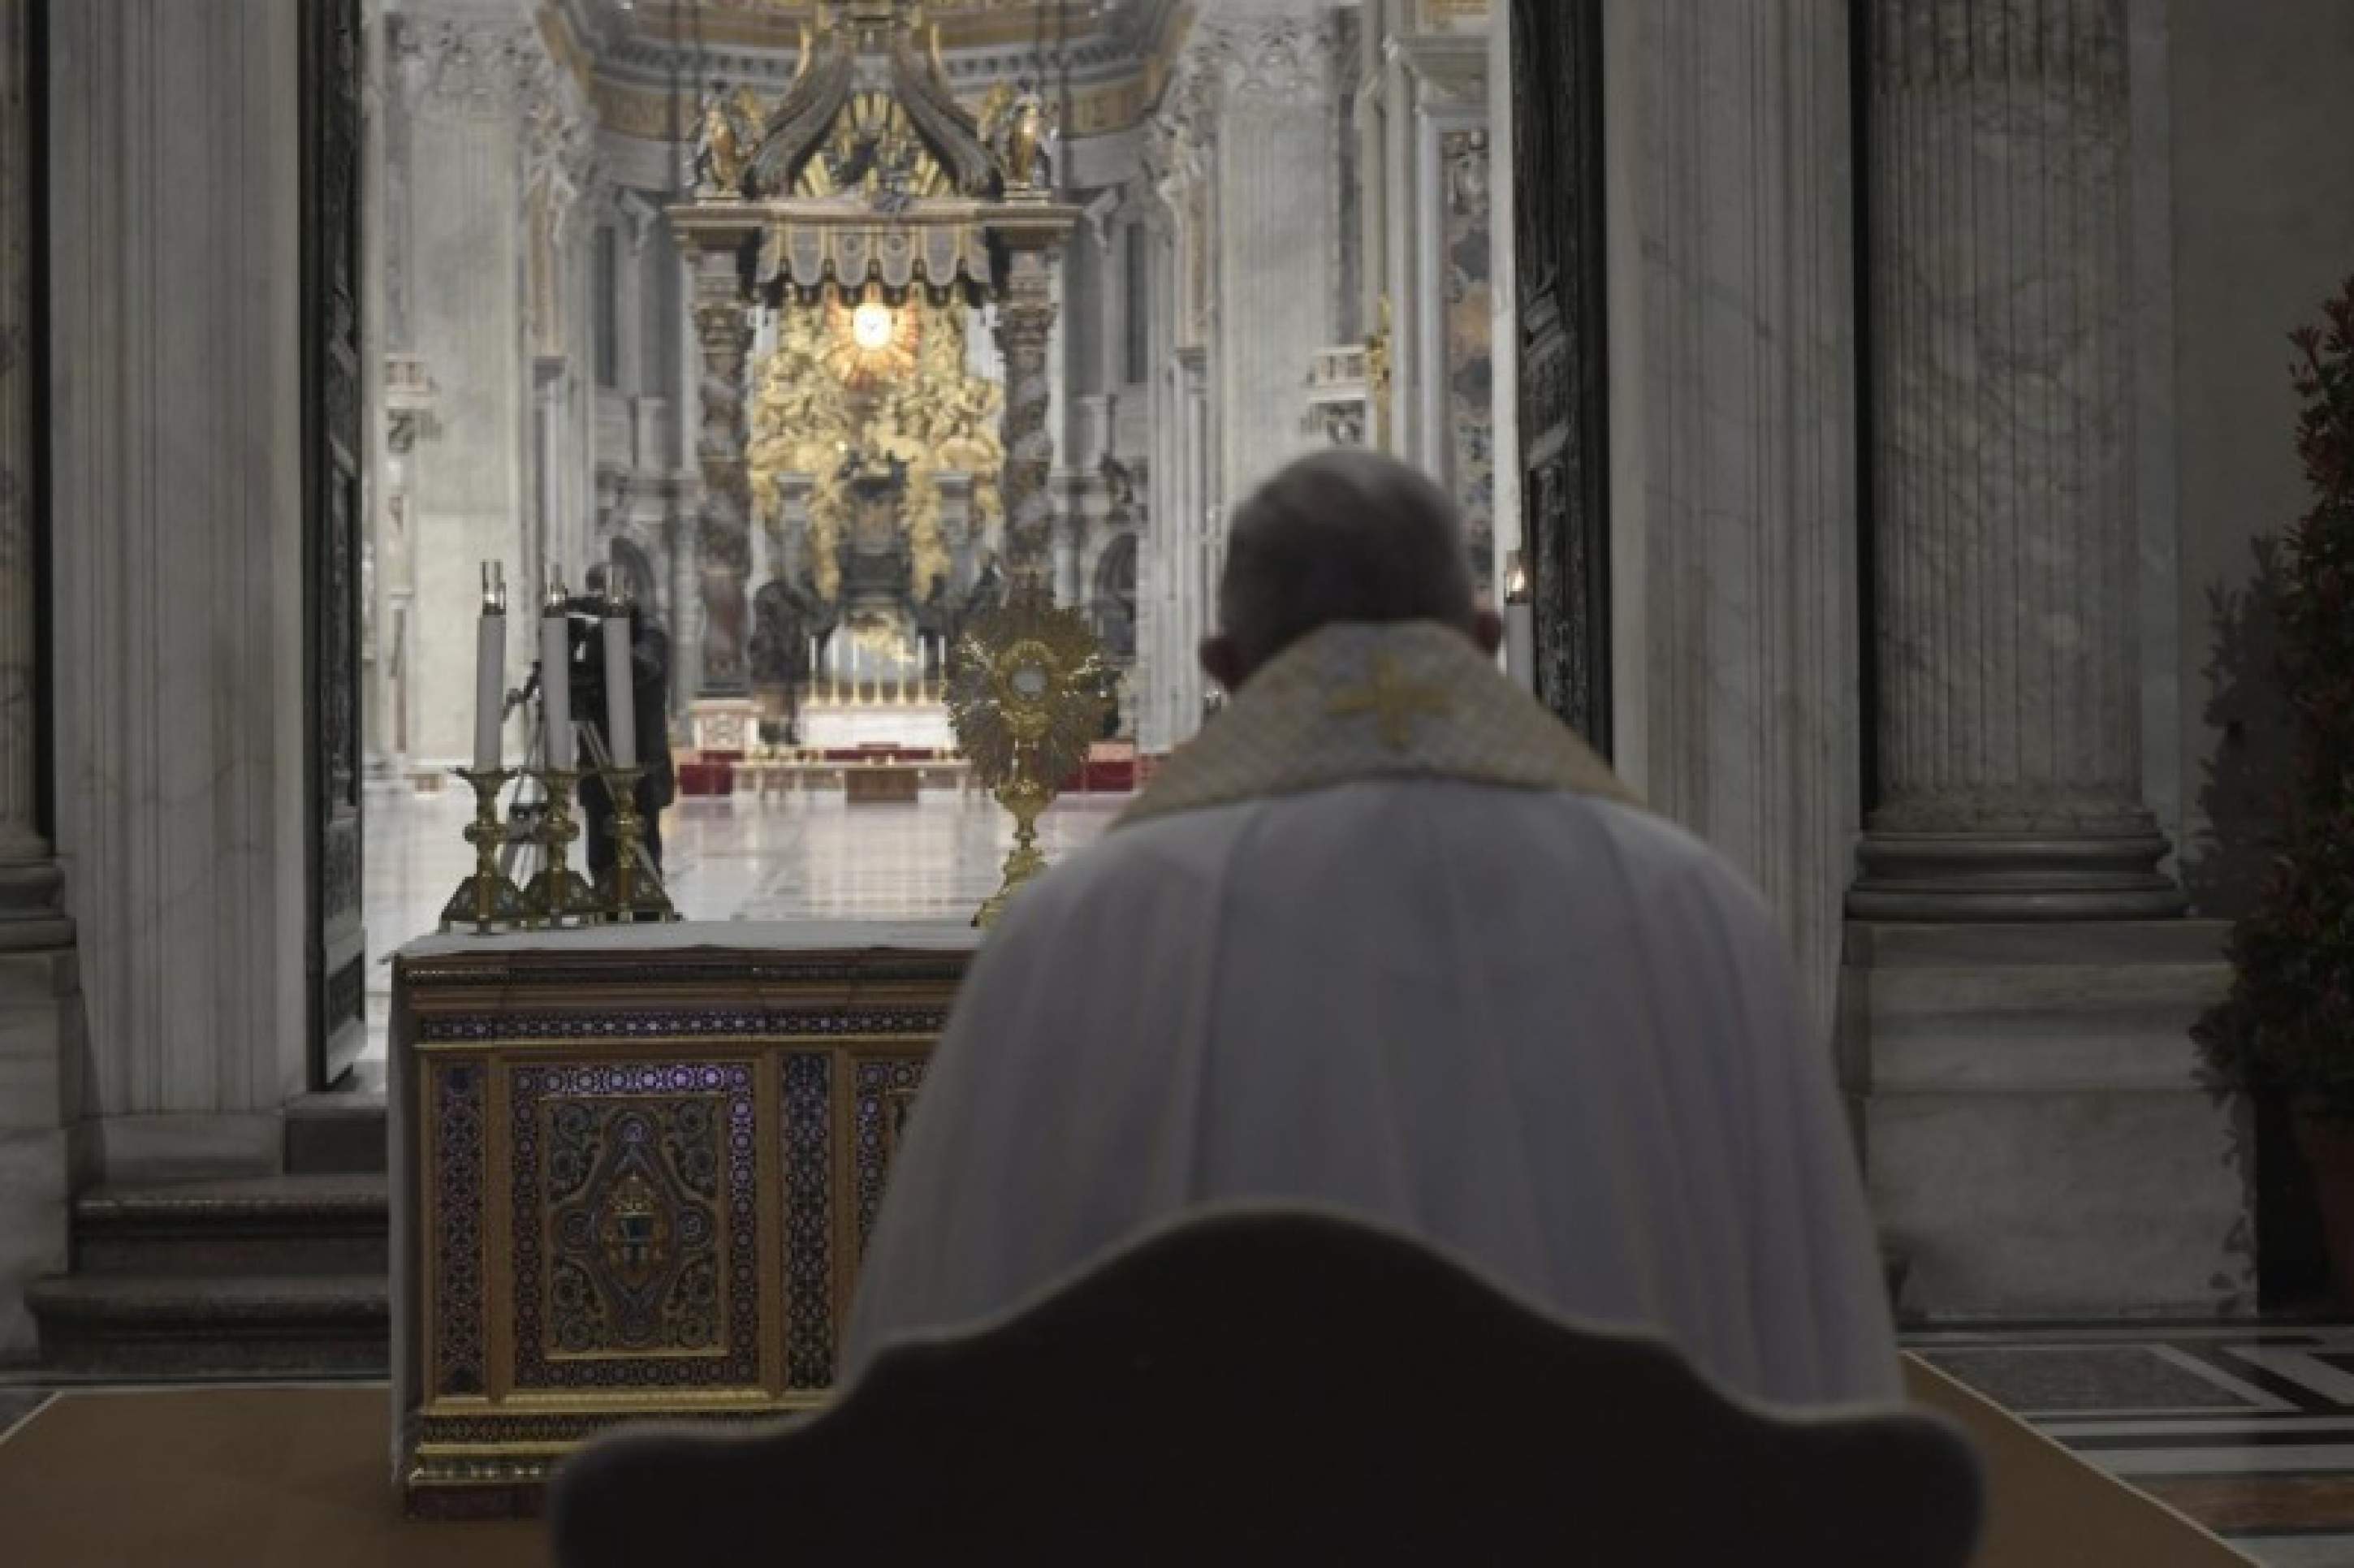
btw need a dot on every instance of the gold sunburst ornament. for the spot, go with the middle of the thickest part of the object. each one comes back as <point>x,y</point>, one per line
<point>1026,694</point>
<point>871,341</point>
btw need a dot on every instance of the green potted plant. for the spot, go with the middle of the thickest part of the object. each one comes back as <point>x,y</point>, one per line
<point>2287,1026</point>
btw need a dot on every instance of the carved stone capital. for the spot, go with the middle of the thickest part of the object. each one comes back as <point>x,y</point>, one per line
<point>473,67</point>
<point>2076,45</point>
<point>1286,56</point>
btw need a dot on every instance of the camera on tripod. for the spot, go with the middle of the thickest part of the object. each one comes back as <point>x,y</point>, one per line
<point>583,625</point>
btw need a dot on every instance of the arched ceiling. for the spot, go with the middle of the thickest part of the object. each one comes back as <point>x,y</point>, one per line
<point>1104,58</point>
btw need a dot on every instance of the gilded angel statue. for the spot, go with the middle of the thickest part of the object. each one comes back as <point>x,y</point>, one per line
<point>725,140</point>
<point>1017,125</point>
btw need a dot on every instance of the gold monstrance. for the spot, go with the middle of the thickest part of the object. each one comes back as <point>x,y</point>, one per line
<point>1026,697</point>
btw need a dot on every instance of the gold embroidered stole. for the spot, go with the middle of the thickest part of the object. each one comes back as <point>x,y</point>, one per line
<point>1360,701</point>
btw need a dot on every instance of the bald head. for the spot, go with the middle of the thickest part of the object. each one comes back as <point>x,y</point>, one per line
<point>1341,536</point>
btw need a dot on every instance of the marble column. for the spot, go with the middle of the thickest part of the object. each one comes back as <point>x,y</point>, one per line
<point>1026,335</point>
<point>723,333</point>
<point>1732,436</point>
<point>2009,734</point>
<point>178,419</point>
<point>1174,222</point>
<point>29,877</point>
<point>1504,329</point>
<point>1070,544</point>
<point>41,1009</point>
<point>683,508</point>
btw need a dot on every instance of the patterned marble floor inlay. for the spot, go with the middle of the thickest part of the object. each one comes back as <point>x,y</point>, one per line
<point>2053,1379</point>
<point>802,856</point>
<point>2249,1431</point>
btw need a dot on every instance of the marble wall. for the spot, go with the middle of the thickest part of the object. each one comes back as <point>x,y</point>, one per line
<point>2260,124</point>
<point>469,473</point>
<point>176,410</point>
<point>491,210</point>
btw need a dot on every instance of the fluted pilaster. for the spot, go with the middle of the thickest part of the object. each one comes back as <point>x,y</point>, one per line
<point>1272,78</point>
<point>2010,740</point>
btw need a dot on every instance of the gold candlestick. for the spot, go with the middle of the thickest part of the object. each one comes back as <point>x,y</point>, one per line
<point>626,894</point>
<point>489,900</point>
<point>557,895</point>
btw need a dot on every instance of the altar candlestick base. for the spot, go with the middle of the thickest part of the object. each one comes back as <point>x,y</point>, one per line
<point>625,893</point>
<point>489,900</point>
<point>559,896</point>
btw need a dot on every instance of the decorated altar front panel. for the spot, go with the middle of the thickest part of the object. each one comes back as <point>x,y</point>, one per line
<point>635,1173</point>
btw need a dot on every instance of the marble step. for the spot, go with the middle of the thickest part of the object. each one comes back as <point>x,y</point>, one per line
<point>149,1325</point>
<point>261,1225</point>
<point>337,1133</point>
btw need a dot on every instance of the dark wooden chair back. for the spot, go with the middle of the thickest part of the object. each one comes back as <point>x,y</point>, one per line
<point>1280,1386</point>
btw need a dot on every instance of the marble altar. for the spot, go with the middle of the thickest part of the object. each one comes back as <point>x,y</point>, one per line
<point>843,725</point>
<point>633,1171</point>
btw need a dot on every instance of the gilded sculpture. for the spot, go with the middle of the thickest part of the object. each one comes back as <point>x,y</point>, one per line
<point>731,127</point>
<point>1016,125</point>
<point>820,411</point>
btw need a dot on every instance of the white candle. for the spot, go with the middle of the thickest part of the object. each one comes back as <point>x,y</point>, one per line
<point>620,708</point>
<point>1520,645</point>
<point>555,680</point>
<point>489,673</point>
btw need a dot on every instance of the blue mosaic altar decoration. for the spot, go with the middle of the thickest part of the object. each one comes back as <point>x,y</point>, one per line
<point>887,1091</point>
<point>808,1263</point>
<point>645,1180</point>
<point>458,1177</point>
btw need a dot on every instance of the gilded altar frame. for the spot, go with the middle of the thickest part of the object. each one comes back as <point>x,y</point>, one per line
<point>769,1085</point>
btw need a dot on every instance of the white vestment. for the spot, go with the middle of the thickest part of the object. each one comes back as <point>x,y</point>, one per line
<point>1416,956</point>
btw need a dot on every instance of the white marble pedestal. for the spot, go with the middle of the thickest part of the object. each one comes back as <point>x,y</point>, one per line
<point>2037,1139</point>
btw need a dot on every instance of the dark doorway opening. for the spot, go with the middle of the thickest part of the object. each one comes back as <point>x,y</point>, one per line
<point>1565,456</point>
<point>332,405</point>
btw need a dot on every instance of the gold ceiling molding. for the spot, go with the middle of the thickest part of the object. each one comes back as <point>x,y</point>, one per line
<point>1447,16</point>
<point>651,113</point>
<point>963,24</point>
<point>1119,96</point>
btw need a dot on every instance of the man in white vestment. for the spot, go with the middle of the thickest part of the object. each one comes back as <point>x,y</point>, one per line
<point>1387,937</point>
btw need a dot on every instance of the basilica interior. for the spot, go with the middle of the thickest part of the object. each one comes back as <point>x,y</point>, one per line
<point>1874,420</point>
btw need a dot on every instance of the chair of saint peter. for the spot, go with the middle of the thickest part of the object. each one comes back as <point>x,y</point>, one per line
<point>1273,1385</point>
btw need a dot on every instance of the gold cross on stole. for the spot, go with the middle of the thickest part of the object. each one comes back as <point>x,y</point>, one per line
<point>1392,701</point>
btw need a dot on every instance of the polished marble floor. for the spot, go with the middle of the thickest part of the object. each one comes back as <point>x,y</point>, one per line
<point>801,856</point>
<point>2248,1430</point>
